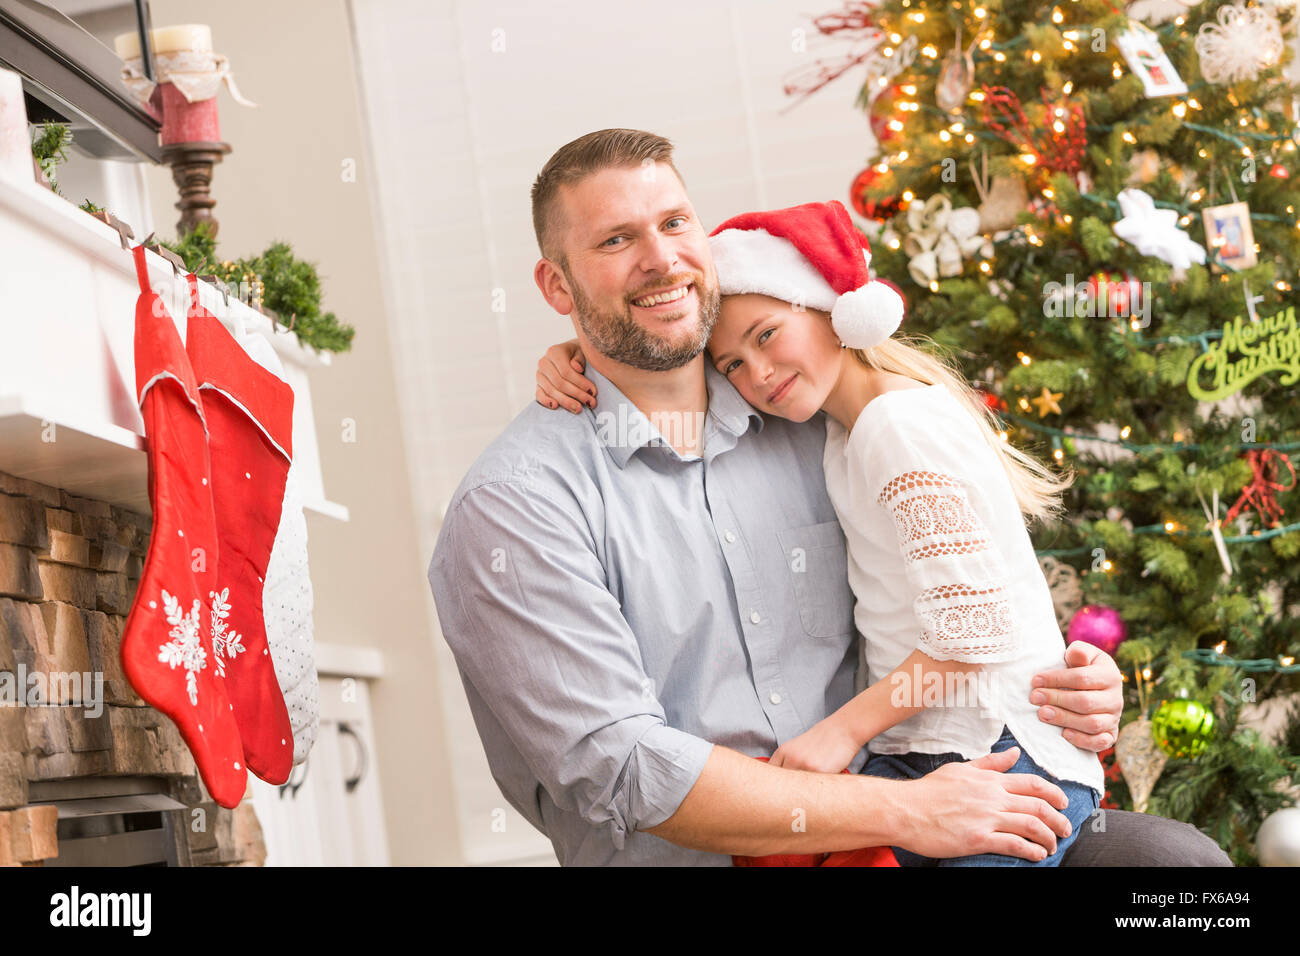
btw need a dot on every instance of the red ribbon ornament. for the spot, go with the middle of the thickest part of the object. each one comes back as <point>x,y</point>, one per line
<point>1060,151</point>
<point>854,21</point>
<point>1261,492</point>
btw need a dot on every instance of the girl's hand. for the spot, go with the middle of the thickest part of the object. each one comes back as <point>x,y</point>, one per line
<point>828,747</point>
<point>560,380</point>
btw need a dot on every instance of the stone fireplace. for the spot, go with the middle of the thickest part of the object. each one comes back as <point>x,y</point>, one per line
<point>89,773</point>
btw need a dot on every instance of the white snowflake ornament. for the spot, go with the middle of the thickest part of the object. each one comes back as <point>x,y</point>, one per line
<point>1155,231</point>
<point>1243,42</point>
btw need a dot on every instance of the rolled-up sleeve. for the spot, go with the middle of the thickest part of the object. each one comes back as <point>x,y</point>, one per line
<point>523,603</point>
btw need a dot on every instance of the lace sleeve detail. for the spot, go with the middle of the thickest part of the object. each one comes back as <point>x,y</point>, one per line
<point>963,604</point>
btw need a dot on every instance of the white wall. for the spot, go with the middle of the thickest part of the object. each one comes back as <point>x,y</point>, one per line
<point>286,179</point>
<point>465,101</point>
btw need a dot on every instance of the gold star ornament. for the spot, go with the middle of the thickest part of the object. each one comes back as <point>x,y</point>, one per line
<point>1047,402</point>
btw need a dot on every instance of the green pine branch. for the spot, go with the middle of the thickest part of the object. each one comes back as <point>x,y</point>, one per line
<point>289,286</point>
<point>50,147</point>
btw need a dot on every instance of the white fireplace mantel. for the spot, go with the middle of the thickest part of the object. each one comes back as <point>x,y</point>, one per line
<point>68,415</point>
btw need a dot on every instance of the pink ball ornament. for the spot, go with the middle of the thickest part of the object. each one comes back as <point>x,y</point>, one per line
<point>1100,626</point>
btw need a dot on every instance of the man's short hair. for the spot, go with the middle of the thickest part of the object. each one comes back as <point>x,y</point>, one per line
<point>575,161</point>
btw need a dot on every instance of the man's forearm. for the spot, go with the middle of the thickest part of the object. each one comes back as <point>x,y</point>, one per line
<point>742,806</point>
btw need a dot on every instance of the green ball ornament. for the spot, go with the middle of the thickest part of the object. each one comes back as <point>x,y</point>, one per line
<point>1183,728</point>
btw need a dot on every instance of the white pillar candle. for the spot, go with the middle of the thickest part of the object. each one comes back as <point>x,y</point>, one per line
<point>15,140</point>
<point>186,36</point>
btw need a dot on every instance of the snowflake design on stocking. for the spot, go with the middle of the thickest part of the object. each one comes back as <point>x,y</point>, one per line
<point>225,643</point>
<point>185,648</point>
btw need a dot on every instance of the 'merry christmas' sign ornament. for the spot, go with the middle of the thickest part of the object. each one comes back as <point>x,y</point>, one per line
<point>1247,351</point>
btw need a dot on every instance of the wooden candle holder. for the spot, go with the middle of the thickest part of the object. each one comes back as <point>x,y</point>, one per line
<point>191,165</point>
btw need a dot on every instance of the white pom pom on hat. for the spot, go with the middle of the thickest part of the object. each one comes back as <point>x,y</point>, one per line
<point>867,316</point>
<point>810,255</point>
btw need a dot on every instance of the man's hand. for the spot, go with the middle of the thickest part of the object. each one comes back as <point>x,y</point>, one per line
<point>977,807</point>
<point>828,747</point>
<point>1085,698</point>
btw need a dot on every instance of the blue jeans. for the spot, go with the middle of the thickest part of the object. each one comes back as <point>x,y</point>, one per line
<point>1083,801</point>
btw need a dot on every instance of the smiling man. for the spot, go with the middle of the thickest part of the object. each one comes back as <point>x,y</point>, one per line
<point>622,607</point>
<point>665,322</point>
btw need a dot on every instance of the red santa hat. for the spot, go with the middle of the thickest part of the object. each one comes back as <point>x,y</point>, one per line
<point>811,255</point>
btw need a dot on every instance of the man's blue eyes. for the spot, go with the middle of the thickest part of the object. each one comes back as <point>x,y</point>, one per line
<point>678,219</point>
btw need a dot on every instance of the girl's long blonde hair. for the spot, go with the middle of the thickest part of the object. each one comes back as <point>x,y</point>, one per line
<point>1037,489</point>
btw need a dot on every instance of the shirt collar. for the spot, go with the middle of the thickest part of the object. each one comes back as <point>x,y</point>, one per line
<point>623,428</point>
<point>726,406</point>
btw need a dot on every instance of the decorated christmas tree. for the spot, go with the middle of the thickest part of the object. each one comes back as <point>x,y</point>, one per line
<point>1096,212</point>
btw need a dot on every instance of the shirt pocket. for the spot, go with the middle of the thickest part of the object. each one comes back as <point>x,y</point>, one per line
<point>818,563</point>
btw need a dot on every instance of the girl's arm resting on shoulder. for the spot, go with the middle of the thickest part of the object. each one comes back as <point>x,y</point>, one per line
<point>560,381</point>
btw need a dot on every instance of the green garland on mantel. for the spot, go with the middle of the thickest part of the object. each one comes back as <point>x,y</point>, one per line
<point>283,286</point>
<point>278,282</point>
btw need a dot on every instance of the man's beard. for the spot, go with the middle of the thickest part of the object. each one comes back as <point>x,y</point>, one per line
<point>616,334</point>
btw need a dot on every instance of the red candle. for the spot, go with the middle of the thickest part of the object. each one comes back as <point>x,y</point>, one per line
<point>186,122</point>
<point>186,49</point>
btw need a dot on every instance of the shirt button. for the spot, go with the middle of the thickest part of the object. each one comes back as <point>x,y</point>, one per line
<point>754,618</point>
<point>774,697</point>
<point>731,537</point>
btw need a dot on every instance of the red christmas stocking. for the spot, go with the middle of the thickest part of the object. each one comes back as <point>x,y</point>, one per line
<point>250,425</point>
<point>166,652</point>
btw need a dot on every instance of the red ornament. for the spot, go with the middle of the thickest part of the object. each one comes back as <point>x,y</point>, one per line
<point>871,208</point>
<point>992,401</point>
<point>1116,295</point>
<point>881,129</point>
<point>1279,172</point>
<point>883,113</point>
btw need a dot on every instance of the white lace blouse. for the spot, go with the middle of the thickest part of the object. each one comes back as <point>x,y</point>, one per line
<point>940,560</point>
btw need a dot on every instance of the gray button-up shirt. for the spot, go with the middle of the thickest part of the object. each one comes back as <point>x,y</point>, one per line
<point>616,609</point>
